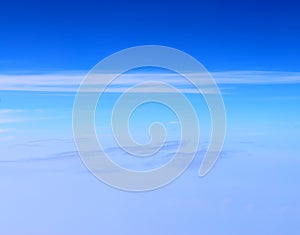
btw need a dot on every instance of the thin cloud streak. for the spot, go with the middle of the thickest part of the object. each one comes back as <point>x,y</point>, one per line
<point>5,130</point>
<point>10,116</point>
<point>65,82</point>
<point>9,111</point>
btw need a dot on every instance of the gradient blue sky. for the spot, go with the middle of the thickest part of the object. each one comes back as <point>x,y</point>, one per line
<point>252,50</point>
<point>223,35</point>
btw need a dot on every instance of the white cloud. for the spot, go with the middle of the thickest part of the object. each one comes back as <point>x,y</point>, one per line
<point>10,116</point>
<point>9,111</point>
<point>173,123</point>
<point>7,138</point>
<point>7,120</point>
<point>70,82</point>
<point>256,77</point>
<point>5,130</point>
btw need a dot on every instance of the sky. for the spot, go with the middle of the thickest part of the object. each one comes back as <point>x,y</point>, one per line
<point>251,49</point>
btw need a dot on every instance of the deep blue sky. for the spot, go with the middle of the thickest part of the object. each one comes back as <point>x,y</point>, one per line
<point>75,35</point>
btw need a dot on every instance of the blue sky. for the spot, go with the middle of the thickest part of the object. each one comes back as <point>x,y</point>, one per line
<point>223,35</point>
<point>251,49</point>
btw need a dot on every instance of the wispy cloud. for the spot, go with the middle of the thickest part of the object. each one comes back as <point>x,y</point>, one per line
<point>10,116</point>
<point>257,77</point>
<point>41,82</point>
<point>70,82</point>
<point>173,123</point>
<point>5,130</point>
<point>9,111</point>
